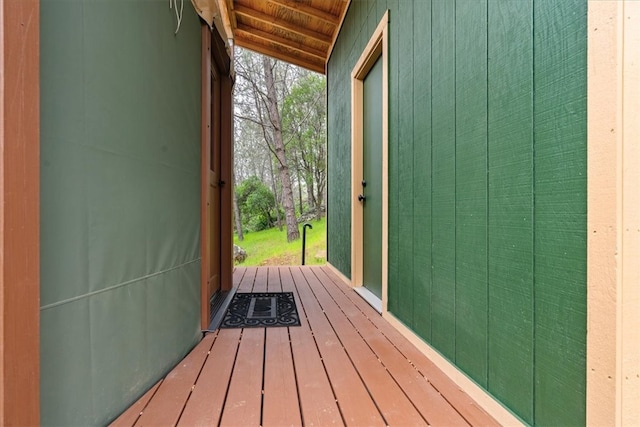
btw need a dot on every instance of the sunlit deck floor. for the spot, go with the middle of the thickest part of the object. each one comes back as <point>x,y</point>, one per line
<point>344,366</point>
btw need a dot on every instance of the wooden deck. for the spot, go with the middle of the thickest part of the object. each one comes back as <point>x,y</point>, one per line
<point>344,366</point>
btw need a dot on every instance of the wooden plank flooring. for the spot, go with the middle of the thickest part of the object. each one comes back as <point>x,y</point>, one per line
<point>344,365</point>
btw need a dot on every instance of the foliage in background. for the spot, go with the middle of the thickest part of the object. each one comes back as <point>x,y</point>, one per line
<point>256,203</point>
<point>270,247</point>
<point>304,126</point>
<point>269,146</point>
<point>258,99</point>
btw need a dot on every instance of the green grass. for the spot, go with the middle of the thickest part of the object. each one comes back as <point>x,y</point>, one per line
<point>270,247</point>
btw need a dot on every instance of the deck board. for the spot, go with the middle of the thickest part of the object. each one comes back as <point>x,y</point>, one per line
<point>388,396</point>
<point>456,397</point>
<point>273,282</point>
<point>344,365</point>
<point>280,390</point>
<point>131,415</point>
<point>168,402</point>
<point>431,404</point>
<point>244,400</point>
<point>354,400</point>
<point>317,400</point>
<point>205,404</point>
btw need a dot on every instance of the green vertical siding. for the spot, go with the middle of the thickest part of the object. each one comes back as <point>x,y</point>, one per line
<point>560,211</point>
<point>443,193</point>
<point>120,202</point>
<point>405,158</point>
<point>471,188</point>
<point>487,188</point>
<point>422,224</point>
<point>510,154</point>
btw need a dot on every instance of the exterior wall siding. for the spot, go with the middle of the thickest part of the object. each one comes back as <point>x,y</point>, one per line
<point>487,188</point>
<point>120,202</point>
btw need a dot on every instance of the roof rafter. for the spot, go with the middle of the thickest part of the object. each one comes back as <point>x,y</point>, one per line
<point>260,48</point>
<point>308,11</point>
<point>284,25</point>
<point>246,33</point>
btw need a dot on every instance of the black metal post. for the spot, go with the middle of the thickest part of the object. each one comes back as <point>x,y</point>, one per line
<point>304,238</point>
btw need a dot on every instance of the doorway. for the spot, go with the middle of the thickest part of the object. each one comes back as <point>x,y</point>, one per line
<point>369,233</point>
<point>371,185</point>
<point>216,166</point>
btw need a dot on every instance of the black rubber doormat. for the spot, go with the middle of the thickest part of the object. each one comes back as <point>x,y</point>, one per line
<point>255,310</point>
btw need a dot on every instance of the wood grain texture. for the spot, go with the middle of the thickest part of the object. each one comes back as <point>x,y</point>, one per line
<point>405,172</point>
<point>463,404</point>
<point>280,388</point>
<point>474,87</point>
<point>204,407</point>
<point>510,135</point>
<point>560,212</point>
<point>443,244</point>
<point>393,405</point>
<point>244,399</point>
<point>19,212</point>
<point>432,406</point>
<point>131,415</point>
<point>422,168</point>
<point>317,400</point>
<point>471,189</point>
<point>344,365</point>
<point>356,405</point>
<point>168,402</point>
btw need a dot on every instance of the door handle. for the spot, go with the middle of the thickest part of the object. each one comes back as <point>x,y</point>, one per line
<point>361,197</point>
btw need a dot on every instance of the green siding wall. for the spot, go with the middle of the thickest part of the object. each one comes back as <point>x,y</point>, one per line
<point>487,181</point>
<point>120,200</point>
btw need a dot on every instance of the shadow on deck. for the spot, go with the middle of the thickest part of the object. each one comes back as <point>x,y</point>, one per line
<point>344,366</point>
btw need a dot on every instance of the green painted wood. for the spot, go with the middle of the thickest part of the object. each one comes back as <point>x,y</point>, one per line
<point>560,46</point>
<point>444,179</point>
<point>339,150</point>
<point>120,203</point>
<point>405,171</point>
<point>471,189</point>
<point>490,122</point>
<point>372,178</point>
<point>510,146</point>
<point>422,169</point>
<point>393,150</point>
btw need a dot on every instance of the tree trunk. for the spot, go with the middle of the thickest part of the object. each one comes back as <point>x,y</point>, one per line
<point>274,188</point>
<point>274,115</point>
<point>299,185</point>
<point>236,214</point>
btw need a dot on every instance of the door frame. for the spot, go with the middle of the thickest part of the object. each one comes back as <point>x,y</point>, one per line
<point>214,51</point>
<point>20,212</point>
<point>376,48</point>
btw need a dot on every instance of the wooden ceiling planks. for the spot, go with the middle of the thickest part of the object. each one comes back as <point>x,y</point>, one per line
<point>301,32</point>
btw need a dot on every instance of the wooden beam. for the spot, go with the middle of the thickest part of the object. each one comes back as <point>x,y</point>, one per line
<point>309,11</point>
<point>248,32</point>
<point>226,22</point>
<point>19,212</point>
<point>318,67</point>
<point>274,21</point>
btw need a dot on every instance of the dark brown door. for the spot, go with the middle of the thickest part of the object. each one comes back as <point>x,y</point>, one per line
<point>213,195</point>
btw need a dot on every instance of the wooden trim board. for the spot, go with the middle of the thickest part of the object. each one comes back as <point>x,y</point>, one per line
<point>613,217</point>
<point>19,212</point>
<point>205,155</point>
<point>477,393</point>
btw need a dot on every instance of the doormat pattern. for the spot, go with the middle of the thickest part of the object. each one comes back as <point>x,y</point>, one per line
<point>261,309</point>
